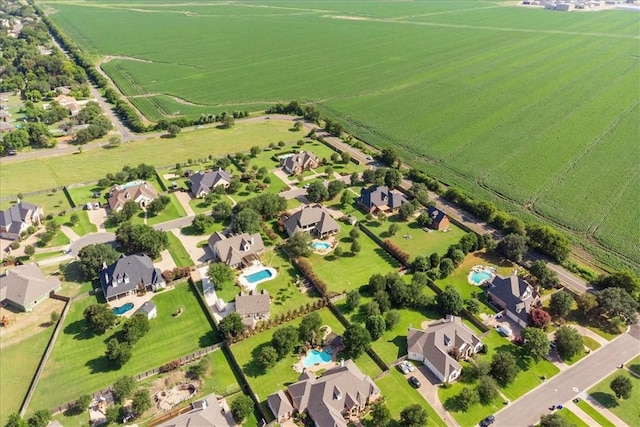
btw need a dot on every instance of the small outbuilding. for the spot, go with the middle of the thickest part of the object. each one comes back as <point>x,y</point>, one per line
<point>149,309</point>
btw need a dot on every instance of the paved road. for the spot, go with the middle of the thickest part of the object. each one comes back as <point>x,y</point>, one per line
<point>176,223</point>
<point>583,375</point>
<point>566,278</point>
<point>91,239</point>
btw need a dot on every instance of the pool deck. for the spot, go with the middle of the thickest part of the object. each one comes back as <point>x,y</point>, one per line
<point>331,241</point>
<point>255,268</point>
<point>481,269</point>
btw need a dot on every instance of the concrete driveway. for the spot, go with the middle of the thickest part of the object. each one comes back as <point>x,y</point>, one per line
<point>97,217</point>
<point>190,243</point>
<point>429,391</point>
<point>501,319</point>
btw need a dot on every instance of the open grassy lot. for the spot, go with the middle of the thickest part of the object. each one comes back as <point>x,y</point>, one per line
<point>78,353</point>
<point>627,409</point>
<point>399,394</point>
<point>595,414</point>
<point>18,365</point>
<point>178,252</point>
<point>95,163</point>
<point>84,226</point>
<point>450,62</point>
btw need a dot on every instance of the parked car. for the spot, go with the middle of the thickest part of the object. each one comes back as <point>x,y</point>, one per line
<point>553,344</point>
<point>518,341</point>
<point>12,152</point>
<point>487,421</point>
<point>403,368</point>
<point>415,382</point>
<point>505,331</point>
<point>409,366</point>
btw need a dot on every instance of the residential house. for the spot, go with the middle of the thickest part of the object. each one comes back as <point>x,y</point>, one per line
<point>149,310</point>
<point>253,306</point>
<point>442,345</point>
<point>202,183</point>
<point>18,218</point>
<point>330,399</point>
<point>381,198</point>
<point>128,275</point>
<point>238,250</point>
<point>313,220</point>
<point>299,162</point>
<point>515,295</point>
<point>141,193</point>
<point>204,412</point>
<point>24,287</point>
<point>439,220</point>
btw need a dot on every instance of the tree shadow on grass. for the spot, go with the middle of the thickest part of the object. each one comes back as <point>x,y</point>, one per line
<point>635,368</point>
<point>606,399</point>
<point>401,343</point>
<point>452,404</point>
<point>79,330</point>
<point>253,368</point>
<point>100,365</point>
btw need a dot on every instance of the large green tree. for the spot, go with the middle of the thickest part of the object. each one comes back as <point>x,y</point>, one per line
<point>94,257</point>
<point>309,327</point>
<point>298,244</point>
<point>356,340</point>
<point>118,352</point>
<point>568,342</point>
<point>504,368</point>
<point>513,246</point>
<point>141,238</point>
<point>285,340</point>
<point>450,301</point>
<point>220,273</point>
<point>376,326</point>
<point>413,416</point>
<point>123,388</point>
<point>241,407</point>
<point>621,385</point>
<point>554,420</point>
<point>560,304</point>
<point>141,401</point>
<point>135,328</point>
<point>246,221</point>
<point>100,317</point>
<point>317,192</point>
<point>231,325</point>
<point>617,305</point>
<point>536,344</point>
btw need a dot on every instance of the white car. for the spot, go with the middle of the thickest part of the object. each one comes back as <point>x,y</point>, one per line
<point>410,366</point>
<point>403,367</point>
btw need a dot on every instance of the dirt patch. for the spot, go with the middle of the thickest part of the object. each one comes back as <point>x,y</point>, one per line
<point>24,325</point>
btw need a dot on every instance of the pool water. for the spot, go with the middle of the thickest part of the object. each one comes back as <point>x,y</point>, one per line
<point>258,276</point>
<point>132,184</point>
<point>315,356</point>
<point>123,308</point>
<point>320,245</point>
<point>479,277</point>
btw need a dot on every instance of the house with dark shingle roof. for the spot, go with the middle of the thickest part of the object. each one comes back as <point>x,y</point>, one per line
<point>18,218</point>
<point>434,346</point>
<point>515,295</point>
<point>238,250</point>
<point>143,194</point>
<point>128,274</point>
<point>329,399</point>
<point>439,220</point>
<point>313,220</point>
<point>204,412</point>
<point>24,287</point>
<point>381,198</point>
<point>299,162</point>
<point>202,183</point>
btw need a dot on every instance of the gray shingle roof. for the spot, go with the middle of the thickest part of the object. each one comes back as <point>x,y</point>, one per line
<point>146,308</point>
<point>300,161</point>
<point>25,284</point>
<point>13,217</point>
<point>315,217</point>
<point>125,274</point>
<point>232,250</point>
<point>381,197</point>
<point>206,412</point>
<point>253,304</point>
<point>436,215</point>
<point>279,404</point>
<point>517,294</point>
<point>205,181</point>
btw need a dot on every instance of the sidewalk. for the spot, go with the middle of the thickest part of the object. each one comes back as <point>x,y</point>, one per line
<point>581,414</point>
<point>604,411</point>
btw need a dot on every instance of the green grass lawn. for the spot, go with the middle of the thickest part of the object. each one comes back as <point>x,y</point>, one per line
<point>80,354</point>
<point>81,195</point>
<point>351,272</point>
<point>18,365</point>
<point>59,239</point>
<point>595,414</point>
<point>52,202</point>
<point>84,226</point>
<point>172,211</point>
<point>399,394</point>
<point>589,343</point>
<point>572,418</point>
<point>626,409</point>
<point>634,365</point>
<point>39,256</point>
<point>178,252</point>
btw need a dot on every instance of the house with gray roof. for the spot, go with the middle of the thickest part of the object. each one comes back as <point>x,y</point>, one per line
<point>18,218</point>
<point>202,183</point>
<point>313,220</point>
<point>330,399</point>
<point>237,250</point>
<point>515,295</point>
<point>442,345</point>
<point>148,309</point>
<point>253,306</point>
<point>381,198</point>
<point>24,287</point>
<point>143,194</point>
<point>299,162</point>
<point>204,412</point>
<point>128,275</point>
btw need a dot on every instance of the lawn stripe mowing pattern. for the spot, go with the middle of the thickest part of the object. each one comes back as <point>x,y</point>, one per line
<point>572,418</point>
<point>18,364</point>
<point>595,414</point>
<point>626,409</point>
<point>451,62</point>
<point>77,364</point>
<point>178,252</point>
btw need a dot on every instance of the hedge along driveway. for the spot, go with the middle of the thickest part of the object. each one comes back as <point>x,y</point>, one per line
<point>77,364</point>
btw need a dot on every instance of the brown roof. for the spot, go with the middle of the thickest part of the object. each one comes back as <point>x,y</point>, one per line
<point>232,250</point>
<point>253,304</point>
<point>311,218</point>
<point>118,196</point>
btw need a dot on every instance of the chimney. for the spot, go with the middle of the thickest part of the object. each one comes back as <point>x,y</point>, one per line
<point>342,363</point>
<point>251,240</point>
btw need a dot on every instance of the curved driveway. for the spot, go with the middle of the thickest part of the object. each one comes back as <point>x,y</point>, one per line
<point>91,239</point>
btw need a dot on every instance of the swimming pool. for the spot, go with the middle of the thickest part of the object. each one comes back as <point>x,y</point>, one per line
<point>480,276</point>
<point>259,276</point>
<point>132,184</point>
<point>320,245</point>
<point>123,309</point>
<point>315,357</point>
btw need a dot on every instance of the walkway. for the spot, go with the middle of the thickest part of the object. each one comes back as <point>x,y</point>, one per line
<point>68,231</point>
<point>604,411</point>
<point>582,415</point>
<point>429,392</point>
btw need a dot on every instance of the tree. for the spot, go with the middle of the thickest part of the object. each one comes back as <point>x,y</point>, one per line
<point>267,357</point>
<point>513,247</point>
<point>568,342</point>
<point>83,402</point>
<point>100,317</point>
<point>353,299</point>
<point>129,209</point>
<point>622,279</point>
<point>241,407</point>
<point>346,198</point>
<point>354,233</point>
<point>55,316</point>
<point>554,420</point>
<point>540,318</point>
<point>201,223</point>
<point>587,303</point>
<point>247,221</point>
<point>40,419</point>
<point>158,204</point>
<point>536,344</point>
<point>356,340</point>
<point>298,244</point>
<point>392,178</point>
<point>621,385</point>
<point>393,229</point>
<point>450,301</point>
<point>390,157</point>
<point>221,211</point>
<point>317,192</point>
<point>406,211</point>
<point>141,401</point>
<point>544,275</point>
<point>355,247</point>
<point>335,157</point>
<point>135,328</point>
<point>617,305</point>
<point>200,369</point>
<point>15,420</point>
<point>391,319</point>
<point>309,327</point>
<point>122,388</point>
<point>29,250</point>
<point>345,157</point>
<point>446,267</point>
<point>504,368</point>
<point>467,398</point>
<point>118,352</point>
<point>487,390</point>
<point>112,414</point>
<point>548,241</point>
<point>376,326</point>
<point>560,304</point>
<point>284,340</point>
<point>231,325</point>
<point>74,219</point>
<point>380,414</point>
<point>255,150</point>
<point>413,416</point>
<point>220,273</point>
<point>141,238</point>
<point>473,305</point>
<point>334,188</point>
<point>383,300</point>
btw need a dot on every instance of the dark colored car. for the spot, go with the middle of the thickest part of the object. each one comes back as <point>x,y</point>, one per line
<point>12,152</point>
<point>487,421</point>
<point>415,382</point>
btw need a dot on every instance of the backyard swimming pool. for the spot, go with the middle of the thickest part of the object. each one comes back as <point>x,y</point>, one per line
<point>256,274</point>
<point>123,309</point>
<point>320,245</point>
<point>259,276</point>
<point>315,357</point>
<point>480,275</point>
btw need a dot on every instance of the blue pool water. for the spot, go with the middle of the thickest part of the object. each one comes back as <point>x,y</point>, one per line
<point>320,245</point>
<point>479,277</point>
<point>315,356</point>
<point>123,309</point>
<point>259,275</point>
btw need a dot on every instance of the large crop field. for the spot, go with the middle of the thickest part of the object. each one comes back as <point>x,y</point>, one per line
<point>534,109</point>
